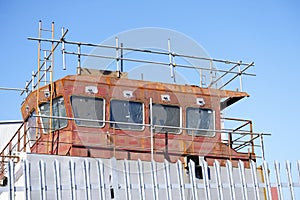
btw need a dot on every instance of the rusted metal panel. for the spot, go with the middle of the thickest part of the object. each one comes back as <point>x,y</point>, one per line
<point>75,139</point>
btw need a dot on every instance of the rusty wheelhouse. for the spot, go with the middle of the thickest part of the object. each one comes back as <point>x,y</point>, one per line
<point>104,114</point>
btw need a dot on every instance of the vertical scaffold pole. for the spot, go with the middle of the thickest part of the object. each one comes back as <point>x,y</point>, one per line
<point>151,130</point>
<point>38,79</point>
<point>117,54</point>
<point>171,60</point>
<point>240,76</point>
<point>211,71</point>
<point>262,147</point>
<point>50,149</point>
<point>63,49</point>
<point>78,60</point>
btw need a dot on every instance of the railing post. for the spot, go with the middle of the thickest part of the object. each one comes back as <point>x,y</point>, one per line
<point>254,179</point>
<point>25,137</point>
<point>262,147</point>
<point>42,177</point>
<point>290,179</point>
<point>86,172</point>
<point>10,148</point>
<point>240,76</point>
<point>243,179</point>
<point>230,179</point>
<point>154,179</point>
<point>278,180</point>
<point>267,180</point>
<point>19,138</point>
<point>26,172</point>
<point>72,179</point>
<point>11,180</point>
<point>127,180</point>
<point>78,60</point>
<point>57,179</point>
<point>180,179</point>
<point>167,179</point>
<point>2,164</point>
<point>251,136</point>
<point>205,179</point>
<point>141,179</point>
<point>218,179</point>
<point>193,183</point>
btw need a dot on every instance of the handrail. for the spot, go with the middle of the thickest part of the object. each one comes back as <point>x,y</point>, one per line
<point>233,131</point>
<point>16,141</point>
<point>238,133</point>
<point>238,70</point>
<point>11,140</point>
<point>236,137</point>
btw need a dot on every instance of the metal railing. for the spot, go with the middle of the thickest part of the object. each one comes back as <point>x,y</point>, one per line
<point>229,70</point>
<point>238,139</point>
<point>18,143</point>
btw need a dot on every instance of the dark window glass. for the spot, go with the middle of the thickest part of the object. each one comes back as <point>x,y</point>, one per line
<point>164,116</point>
<point>58,110</point>
<point>200,118</point>
<point>87,109</point>
<point>126,112</point>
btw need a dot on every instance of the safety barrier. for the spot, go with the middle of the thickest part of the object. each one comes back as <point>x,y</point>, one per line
<point>62,177</point>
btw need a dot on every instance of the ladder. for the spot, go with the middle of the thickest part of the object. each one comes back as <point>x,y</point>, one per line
<point>44,76</point>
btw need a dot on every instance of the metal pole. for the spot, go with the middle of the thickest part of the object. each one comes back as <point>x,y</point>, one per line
<point>171,65</point>
<point>121,57</point>
<point>278,180</point>
<point>26,88</point>
<point>240,76</point>
<point>78,57</point>
<point>15,89</point>
<point>145,50</point>
<point>211,71</point>
<point>251,136</point>
<point>32,80</point>
<point>117,54</point>
<point>290,179</point>
<point>45,67</point>
<point>63,48</point>
<point>201,81</point>
<point>161,63</point>
<point>38,78</point>
<point>50,147</point>
<point>151,130</point>
<point>262,147</point>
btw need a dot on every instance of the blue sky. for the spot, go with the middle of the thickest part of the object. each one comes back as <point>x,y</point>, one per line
<point>266,32</point>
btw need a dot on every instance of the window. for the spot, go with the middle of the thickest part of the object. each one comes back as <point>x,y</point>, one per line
<point>87,109</point>
<point>126,112</point>
<point>200,118</point>
<point>166,115</point>
<point>58,110</point>
<point>33,132</point>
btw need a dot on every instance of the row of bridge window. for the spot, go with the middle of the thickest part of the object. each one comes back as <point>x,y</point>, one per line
<point>129,115</point>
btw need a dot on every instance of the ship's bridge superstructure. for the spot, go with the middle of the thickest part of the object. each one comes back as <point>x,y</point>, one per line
<point>104,113</point>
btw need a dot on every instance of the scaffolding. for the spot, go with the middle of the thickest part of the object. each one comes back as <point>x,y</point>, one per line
<point>219,78</point>
<point>43,76</point>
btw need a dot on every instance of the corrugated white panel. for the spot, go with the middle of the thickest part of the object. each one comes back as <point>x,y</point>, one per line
<point>61,177</point>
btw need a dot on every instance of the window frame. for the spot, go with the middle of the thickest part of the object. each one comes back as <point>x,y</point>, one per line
<point>180,118</point>
<point>103,111</point>
<point>114,122</point>
<point>31,126</point>
<point>197,134</point>
<point>52,129</point>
